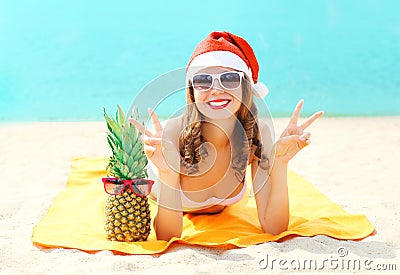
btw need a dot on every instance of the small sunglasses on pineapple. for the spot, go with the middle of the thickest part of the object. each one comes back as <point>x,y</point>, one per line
<point>140,187</point>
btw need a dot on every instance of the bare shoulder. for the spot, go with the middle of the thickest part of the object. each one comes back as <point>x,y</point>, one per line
<point>172,128</point>
<point>267,140</point>
<point>266,129</point>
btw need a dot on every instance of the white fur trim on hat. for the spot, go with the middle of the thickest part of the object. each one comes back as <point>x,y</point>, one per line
<point>260,89</point>
<point>218,58</point>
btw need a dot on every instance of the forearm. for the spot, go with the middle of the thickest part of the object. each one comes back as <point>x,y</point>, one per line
<point>168,221</point>
<point>276,216</point>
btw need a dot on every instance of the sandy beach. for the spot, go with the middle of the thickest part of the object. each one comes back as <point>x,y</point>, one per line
<point>354,161</point>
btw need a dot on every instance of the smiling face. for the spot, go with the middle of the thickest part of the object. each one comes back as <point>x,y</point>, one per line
<point>218,102</point>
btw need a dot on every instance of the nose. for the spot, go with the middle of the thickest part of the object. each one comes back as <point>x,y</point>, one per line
<point>216,88</point>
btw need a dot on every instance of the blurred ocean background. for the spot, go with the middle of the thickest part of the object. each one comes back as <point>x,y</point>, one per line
<point>66,60</point>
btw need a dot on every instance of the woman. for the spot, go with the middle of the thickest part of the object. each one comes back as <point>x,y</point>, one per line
<point>201,157</point>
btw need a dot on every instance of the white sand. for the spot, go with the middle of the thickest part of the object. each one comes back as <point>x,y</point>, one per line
<point>354,161</point>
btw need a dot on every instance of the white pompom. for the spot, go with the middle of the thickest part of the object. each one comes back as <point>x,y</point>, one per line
<point>260,89</point>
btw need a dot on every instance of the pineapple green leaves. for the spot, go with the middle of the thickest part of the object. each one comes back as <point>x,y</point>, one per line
<point>128,160</point>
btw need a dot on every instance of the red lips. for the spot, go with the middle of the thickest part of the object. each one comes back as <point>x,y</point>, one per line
<point>218,103</point>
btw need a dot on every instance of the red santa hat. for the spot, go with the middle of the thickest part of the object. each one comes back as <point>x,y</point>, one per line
<point>227,50</point>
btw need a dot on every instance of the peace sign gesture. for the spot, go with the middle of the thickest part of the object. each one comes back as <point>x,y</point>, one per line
<point>293,138</point>
<point>152,140</point>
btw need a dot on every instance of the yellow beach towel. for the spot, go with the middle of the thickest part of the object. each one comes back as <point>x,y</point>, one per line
<point>76,218</point>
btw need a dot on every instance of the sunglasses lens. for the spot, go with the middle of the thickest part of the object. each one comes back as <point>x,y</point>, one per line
<point>113,186</point>
<point>141,187</point>
<point>230,80</point>
<point>202,82</point>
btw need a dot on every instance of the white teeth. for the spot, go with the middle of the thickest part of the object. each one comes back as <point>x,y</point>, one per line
<point>218,103</point>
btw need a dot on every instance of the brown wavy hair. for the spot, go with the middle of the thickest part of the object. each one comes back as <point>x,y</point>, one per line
<point>191,139</point>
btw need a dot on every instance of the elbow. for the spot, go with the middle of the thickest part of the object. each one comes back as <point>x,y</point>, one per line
<point>275,224</point>
<point>166,230</point>
<point>166,236</point>
<point>166,233</point>
<point>275,229</point>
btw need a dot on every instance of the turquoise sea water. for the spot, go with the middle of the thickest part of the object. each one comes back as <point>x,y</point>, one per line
<point>66,60</point>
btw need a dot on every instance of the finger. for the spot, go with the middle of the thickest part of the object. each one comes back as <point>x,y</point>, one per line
<point>140,127</point>
<point>157,124</point>
<point>149,150</point>
<point>290,139</point>
<point>305,136</point>
<point>296,113</point>
<point>151,141</point>
<point>311,119</point>
<point>304,139</point>
<point>301,141</point>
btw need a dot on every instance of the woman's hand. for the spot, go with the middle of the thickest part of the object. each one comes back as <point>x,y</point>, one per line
<point>293,138</point>
<point>153,141</point>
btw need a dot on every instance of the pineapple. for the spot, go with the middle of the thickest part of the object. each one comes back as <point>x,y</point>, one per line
<point>127,215</point>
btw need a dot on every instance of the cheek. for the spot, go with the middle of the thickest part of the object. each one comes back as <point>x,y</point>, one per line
<point>238,99</point>
<point>199,102</point>
<point>198,97</point>
<point>236,106</point>
<point>239,96</point>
